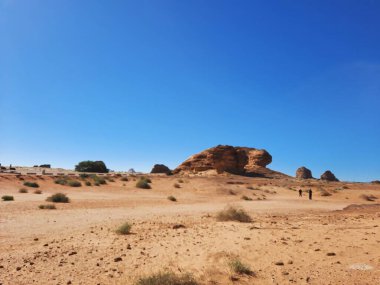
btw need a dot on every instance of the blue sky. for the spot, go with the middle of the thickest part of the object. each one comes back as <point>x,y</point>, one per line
<point>136,83</point>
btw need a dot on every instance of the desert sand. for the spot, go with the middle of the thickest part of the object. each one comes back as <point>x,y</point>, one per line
<point>291,239</point>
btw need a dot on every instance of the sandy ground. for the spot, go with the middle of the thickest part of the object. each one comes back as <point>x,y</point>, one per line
<point>317,242</point>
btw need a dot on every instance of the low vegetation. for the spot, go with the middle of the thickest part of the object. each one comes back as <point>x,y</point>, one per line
<point>167,278</point>
<point>47,207</point>
<point>369,198</point>
<point>31,184</point>
<point>87,183</point>
<point>124,178</point>
<point>74,183</point>
<point>143,183</point>
<point>240,268</point>
<point>23,190</point>
<point>176,185</point>
<point>58,198</point>
<point>233,214</point>
<point>7,198</point>
<point>124,229</point>
<point>246,198</point>
<point>172,198</point>
<point>37,192</point>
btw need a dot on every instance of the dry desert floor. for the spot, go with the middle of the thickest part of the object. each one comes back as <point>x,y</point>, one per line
<point>332,239</point>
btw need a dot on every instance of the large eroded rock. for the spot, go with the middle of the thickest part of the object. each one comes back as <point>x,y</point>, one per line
<point>225,158</point>
<point>303,173</point>
<point>328,176</point>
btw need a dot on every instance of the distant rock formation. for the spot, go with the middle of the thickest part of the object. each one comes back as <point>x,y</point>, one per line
<point>303,173</point>
<point>375,182</point>
<point>236,160</point>
<point>160,168</point>
<point>328,176</point>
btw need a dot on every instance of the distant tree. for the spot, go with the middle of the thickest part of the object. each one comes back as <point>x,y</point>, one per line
<point>91,166</point>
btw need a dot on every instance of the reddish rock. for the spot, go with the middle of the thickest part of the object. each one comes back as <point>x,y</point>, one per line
<point>328,176</point>
<point>160,168</point>
<point>225,158</point>
<point>303,173</point>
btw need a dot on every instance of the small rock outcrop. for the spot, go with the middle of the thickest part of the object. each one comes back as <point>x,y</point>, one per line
<point>160,168</point>
<point>328,176</point>
<point>303,173</point>
<point>224,158</point>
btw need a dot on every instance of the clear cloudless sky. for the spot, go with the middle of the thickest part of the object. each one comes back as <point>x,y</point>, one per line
<point>134,83</point>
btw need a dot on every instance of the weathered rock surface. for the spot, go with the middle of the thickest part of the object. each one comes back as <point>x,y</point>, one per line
<point>328,176</point>
<point>303,173</point>
<point>225,158</point>
<point>160,168</point>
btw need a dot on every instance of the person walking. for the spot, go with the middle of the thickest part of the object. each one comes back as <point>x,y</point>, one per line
<point>300,193</point>
<point>310,194</point>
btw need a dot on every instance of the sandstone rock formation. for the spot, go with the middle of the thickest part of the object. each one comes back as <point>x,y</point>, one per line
<point>303,173</point>
<point>225,158</point>
<point>160,168</point>
<point>328,176</point>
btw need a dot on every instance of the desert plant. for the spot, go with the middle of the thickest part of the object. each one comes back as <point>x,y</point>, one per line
<point>91,166</point>
<point>31,184</point>
<point>97,184</point>
<point>23,190</point>
<point>58,198</point>
<point>124,178</point>
<point>246,198</point>
<point>7,198</point>
<point>176,185</point>
<point>167,278</point>
<point>180,181</point>
<point>239,267</point>
<point>99,180</point>
<point>233,214</point>
<point>37,192</point>
<point>74,183</point>
<point>124,229</point>
<point>47,207</point>
<point>172,198</point>
<point>84,175</point>
<point>88,183</point>
<point>143,184</point>
<point>61,181</point>
<point>370,198</point>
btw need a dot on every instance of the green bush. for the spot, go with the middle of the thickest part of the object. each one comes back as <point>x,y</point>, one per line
<point>61,181</point>
<point>84,175</point>
<point>31,184</point>
<point>233,214</point>
<point>23,190</point>
<point>7,198</point>
<point>143,184</point>
<point>240,268</point>
<point>167,278</point>
<point>88,183</point>
<point>74,183</point>
<point>172,198</point>
<point>58,198</point>
<point>47,207</point>
<point>124,229</point>
<point>91,166</point>
<point>99,180</point>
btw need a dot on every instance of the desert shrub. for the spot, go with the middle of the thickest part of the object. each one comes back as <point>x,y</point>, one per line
<point>58,198</point>
<point>88,183</point>
<point>240,268</point>
<point>167,278</point>
<point>61,181</point>
<point>147,179</point>
<point>110,179</point>
<point>47,207</point>
<point>246,198</point>
<point>23,190</point>
<point>124,178</point>
<point>180,181</point>
<point>37,192</point>
<point>143,184</point>
<point>124,229</point>
<point>84,175</point>
<point>74,183</point>
<point>7,198</point>
<point>97,184</point>
<point>91,166</point>
<point>176,185</point>
<point>99,180</point>
<point>172,198</point>
<point>324,192</point>
<point>370,198</point>
<point>31,184</point>
<point>233,214</point>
